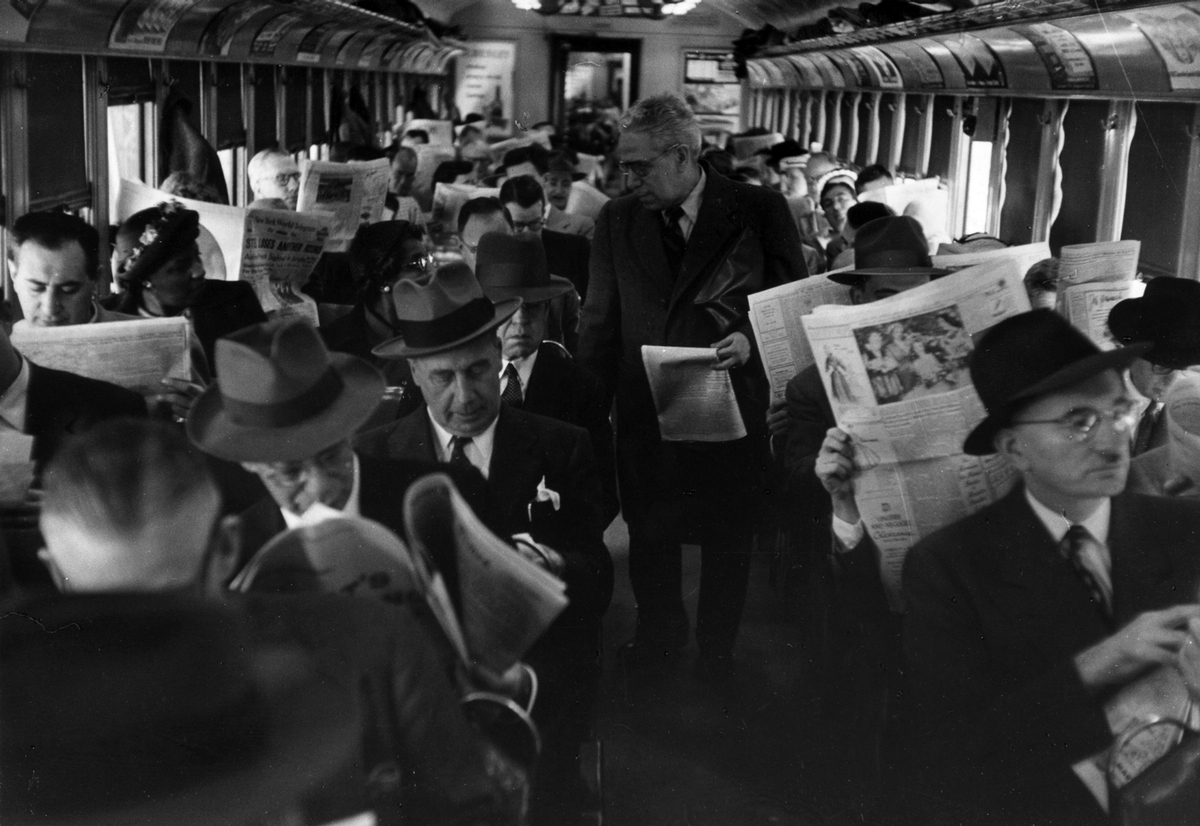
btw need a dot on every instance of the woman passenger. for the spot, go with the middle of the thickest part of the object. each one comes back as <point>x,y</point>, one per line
<point>156,262</point>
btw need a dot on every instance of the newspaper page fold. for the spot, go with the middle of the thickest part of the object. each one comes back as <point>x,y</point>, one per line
<point>775,316</point>
<point>1024,256</point>
<point>695,403</point>
<point>352,192</point>
<point>136,355</point>
<point>896,374</point>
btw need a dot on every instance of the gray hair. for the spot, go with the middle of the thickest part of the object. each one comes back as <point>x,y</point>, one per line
<point>254,169</point>
<point>667,119</point>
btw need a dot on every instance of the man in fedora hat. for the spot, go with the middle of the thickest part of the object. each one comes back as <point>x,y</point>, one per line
<point>539,375</point>
<point>567,255</point>
<point>542,480</point>
<point>555,172</point>
<point>130,507</point>
<point>286,409</point>
<point>1168,317</point>
<point>1024,618</point>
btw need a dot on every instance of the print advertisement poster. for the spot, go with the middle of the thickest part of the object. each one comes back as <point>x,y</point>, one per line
<point>15,17</point>
<point>146,24</point>
<point>1175,33</point>
<point>485,83</point>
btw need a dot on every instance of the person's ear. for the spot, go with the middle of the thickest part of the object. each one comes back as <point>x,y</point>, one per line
<point>1010,445</point>
<point>224,553</point>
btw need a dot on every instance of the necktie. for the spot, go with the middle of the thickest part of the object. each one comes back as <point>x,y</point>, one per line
<point>673,241</point>
<point>512,394</point>
<point>1075,547</point>
<point>1145,429</point>
<point>458,446</point>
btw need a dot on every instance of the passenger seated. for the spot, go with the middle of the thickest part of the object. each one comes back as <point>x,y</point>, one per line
<point>1025,617</point>
<point>54,261</point>
<point>1041,284</point>
<point>129,508</point>
<point>542,480</point>
<point>274,175</point>
<point>856,217</point>
<point>837,197</point>
<point>873,177</point>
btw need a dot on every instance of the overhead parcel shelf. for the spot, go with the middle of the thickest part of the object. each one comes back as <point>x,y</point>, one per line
<point>328,33</point>
<point>1146,51</point>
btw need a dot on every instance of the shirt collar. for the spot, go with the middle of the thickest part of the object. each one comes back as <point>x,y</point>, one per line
<point>691,204</point>
<point>524,368</point>
<point>1097,524</point>
<point>480,451</point>
<point>13,400</point>
<point>318,512</point>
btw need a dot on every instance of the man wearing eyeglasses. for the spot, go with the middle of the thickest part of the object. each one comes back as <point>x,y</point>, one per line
<point>567,255</point>
<point>274,174</point>
<point>1025,617</point>
<point>672,264</point>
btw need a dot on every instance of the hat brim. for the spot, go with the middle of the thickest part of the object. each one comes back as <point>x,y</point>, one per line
<point>979,442</point>
<point>531,295</point>
<point>851,277</point>
<point>1134,319</point>
<point>395,348</point>
<point>212,430</point>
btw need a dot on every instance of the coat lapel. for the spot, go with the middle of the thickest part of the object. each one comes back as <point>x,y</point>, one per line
<point>515,470</point>
<point>710,236</point>
<point>1142,572</point>
<point>645,228</point>
<point>413,438</point>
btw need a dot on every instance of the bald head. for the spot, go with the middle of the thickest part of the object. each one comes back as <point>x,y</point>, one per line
<point>129,505</point>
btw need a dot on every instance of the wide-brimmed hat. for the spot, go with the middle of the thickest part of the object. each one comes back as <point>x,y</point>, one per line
<point>157,708</point>
<point>784,150</point>
<point>560,162</point>
<point>889,247</point>
<point>150,238</point>
<point>281,395</point>
<point>514,266</point>
<point>1167,316</point>
<point>441,311</point>
<point>1029,355</point>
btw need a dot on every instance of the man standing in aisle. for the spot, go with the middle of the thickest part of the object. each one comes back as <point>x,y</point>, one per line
<point>672,264</point>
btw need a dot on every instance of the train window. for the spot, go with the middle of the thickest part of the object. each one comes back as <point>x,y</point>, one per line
<point>1081,161</point>
<point>231,130</point>
<point>1157,182</point>
<point>1021,172</point>
<point>57,156</point>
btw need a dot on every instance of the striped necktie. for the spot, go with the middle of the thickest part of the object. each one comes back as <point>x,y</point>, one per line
<point>1075,547</point>
<point>674,242</point>
<point>458,447</point>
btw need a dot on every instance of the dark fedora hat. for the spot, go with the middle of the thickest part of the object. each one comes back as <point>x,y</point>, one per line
<point>161,708</point>
<point>1029,355</point>
<point>439,312</point>
<point>281,395</point>
<point>514,266</point>
<point>151,237</point>
<point>887,246</point>
<point>1167,316</point>
<point>784,149</point>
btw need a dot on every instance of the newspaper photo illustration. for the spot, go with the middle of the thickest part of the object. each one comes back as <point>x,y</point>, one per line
<point>352,192</point>
<point>896,374</point>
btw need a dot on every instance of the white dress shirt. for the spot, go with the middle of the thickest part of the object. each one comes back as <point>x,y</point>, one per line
<point>691,206</point>
<point>478,453</point>
<point>1095,555</point>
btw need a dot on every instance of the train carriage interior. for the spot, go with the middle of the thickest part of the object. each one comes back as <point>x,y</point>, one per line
<point>1056,122</point>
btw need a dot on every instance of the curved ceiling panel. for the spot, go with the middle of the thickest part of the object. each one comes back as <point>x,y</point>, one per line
<point>1145,52</point>
<point>312,32</point>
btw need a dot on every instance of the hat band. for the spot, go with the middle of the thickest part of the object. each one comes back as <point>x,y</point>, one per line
<point>451,327</point>
<point>890,258</point>
<point>319,396</point>
<point>513,276</point>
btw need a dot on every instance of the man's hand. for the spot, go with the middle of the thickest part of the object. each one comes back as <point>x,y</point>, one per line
<point>835,469</point>
<point>777,418</point>
<point>732,351</point>
<point>178,395</point>
<point>1152,638</point>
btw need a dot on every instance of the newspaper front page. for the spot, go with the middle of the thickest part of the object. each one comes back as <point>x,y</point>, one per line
<point>280,250</point>
<point>896,375</point>
<point>1094,277</point>
<point>352,192</point>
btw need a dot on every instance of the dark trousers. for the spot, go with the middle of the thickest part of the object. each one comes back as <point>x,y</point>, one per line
<point>702,494</point>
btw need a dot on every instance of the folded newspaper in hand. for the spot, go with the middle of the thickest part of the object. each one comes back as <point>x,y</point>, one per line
<point>695,403</point>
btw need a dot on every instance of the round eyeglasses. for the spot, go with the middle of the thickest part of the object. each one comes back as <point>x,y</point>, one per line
<point>642,168</point>
<point>1082,422</point>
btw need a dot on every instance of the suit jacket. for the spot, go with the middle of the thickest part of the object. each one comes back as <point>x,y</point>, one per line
<point>995,618</point>
<point>527,450</point>
<point>570,223</point>
<point>567,256</point>
<point>382,485</point>
<point>389,659</point>
<point>561,389</point>
<point>744,241</point>
<point>220,308</point>
<point>60,404</point>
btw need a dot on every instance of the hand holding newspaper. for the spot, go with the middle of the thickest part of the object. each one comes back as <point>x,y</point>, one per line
<point>694,402</point>
<point>352,192</point>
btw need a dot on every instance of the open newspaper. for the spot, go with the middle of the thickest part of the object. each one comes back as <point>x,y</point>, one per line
<point>775,316</point>
<point>695,403</point>
<point>491,601</point>
<point>896,375</point>
<point>275,250</point>
<point>136,355</point>
<point>353,192</point>
<point>1024,256</point>
<point>1094,277</point>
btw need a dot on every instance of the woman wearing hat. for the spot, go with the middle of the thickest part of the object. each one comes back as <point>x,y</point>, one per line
<point>156,262</point>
